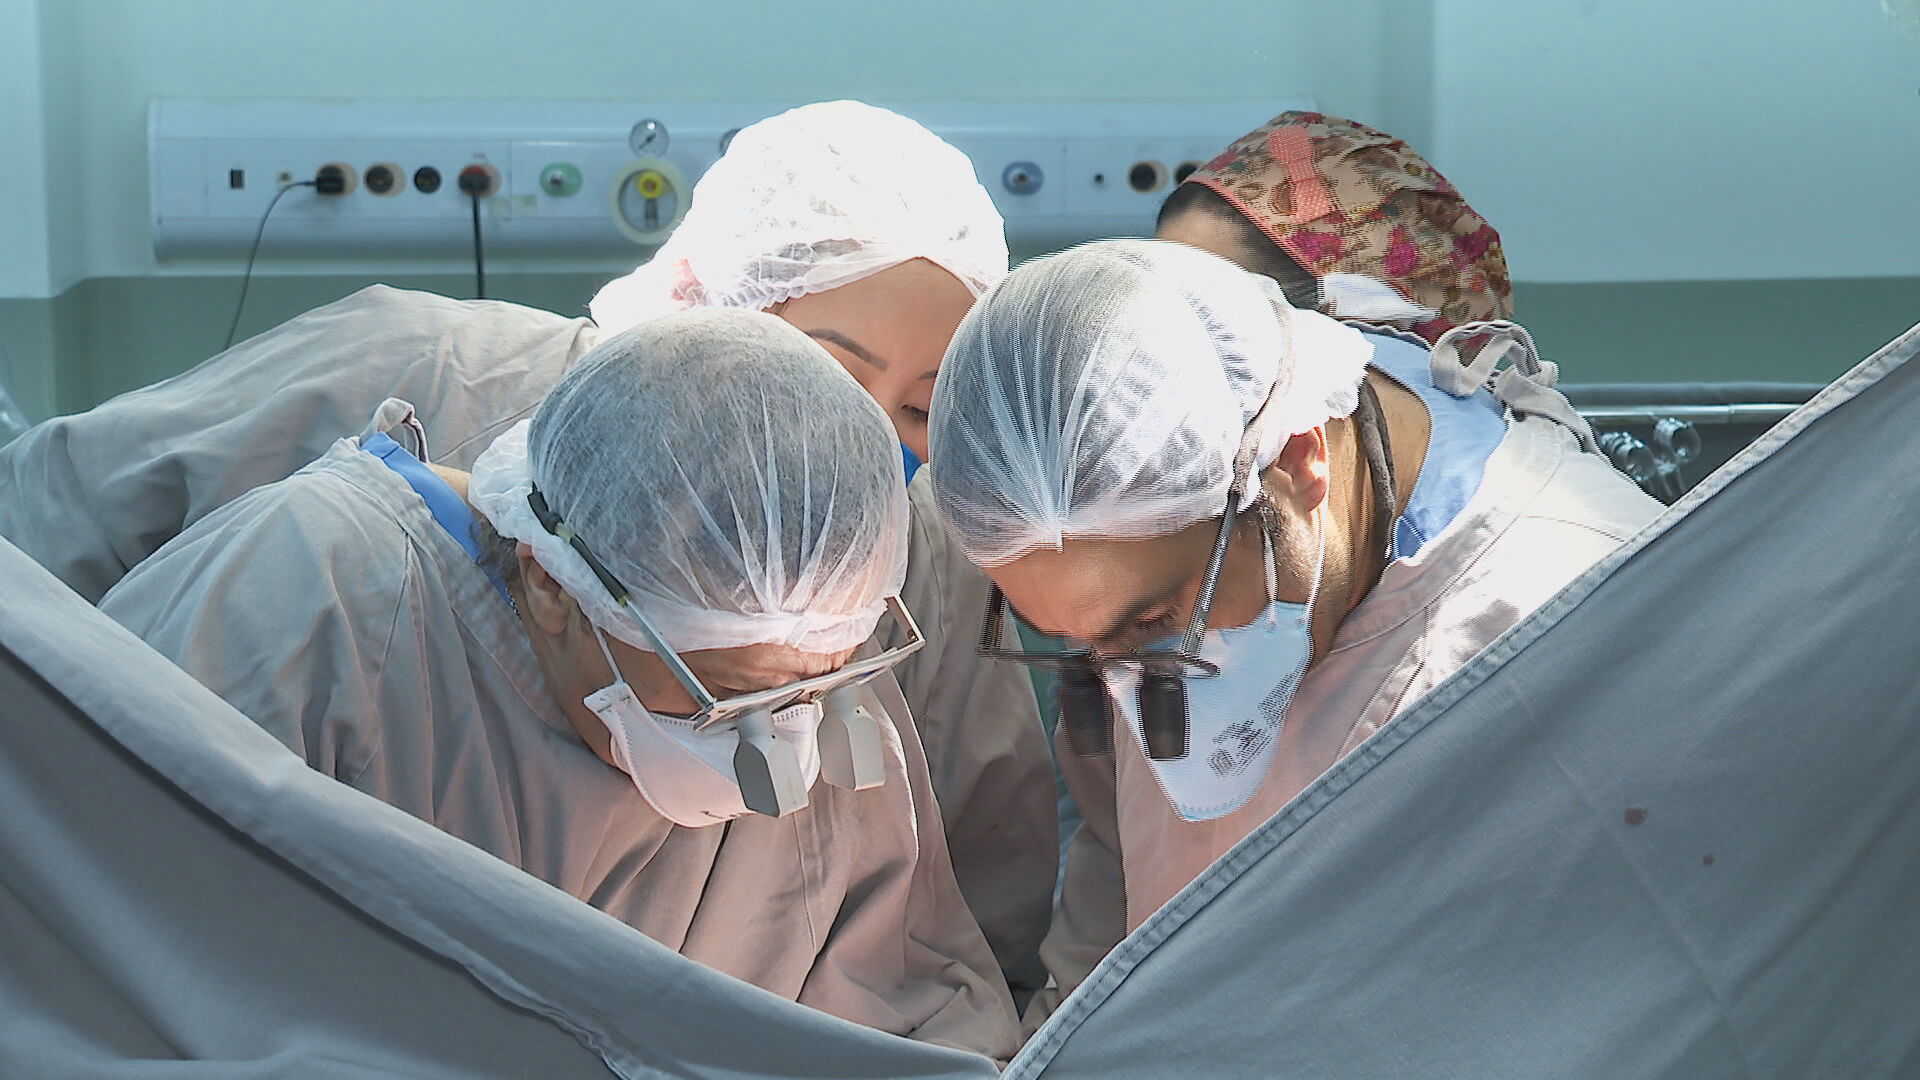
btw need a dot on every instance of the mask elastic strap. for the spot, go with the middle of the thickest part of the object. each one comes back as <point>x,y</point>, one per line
<point>619,741</point>
<point>1319,559</point>
<point>600,639</point>
<point>1273,569</point>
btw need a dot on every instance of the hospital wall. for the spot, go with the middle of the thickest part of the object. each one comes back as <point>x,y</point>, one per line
<point>1617,143</point>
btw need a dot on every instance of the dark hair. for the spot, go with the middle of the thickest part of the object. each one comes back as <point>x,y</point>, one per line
<point>1261,254</point>
<point>499,556</point>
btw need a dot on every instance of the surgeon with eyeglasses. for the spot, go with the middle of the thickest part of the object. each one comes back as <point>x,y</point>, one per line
<point>852,223</point>
<point>1257,540</point>
<point>642,652</point>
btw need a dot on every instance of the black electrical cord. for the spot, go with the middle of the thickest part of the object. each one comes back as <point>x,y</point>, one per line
<point>246,280</point>
<point>479,252</point>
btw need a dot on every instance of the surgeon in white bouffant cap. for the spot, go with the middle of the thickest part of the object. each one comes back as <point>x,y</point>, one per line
<point>624,659</point>
<point>1260,545</point>
<point>873,236</point>
<point>854,224</point>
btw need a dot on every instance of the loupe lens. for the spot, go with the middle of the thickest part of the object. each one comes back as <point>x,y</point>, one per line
<point>852,752</point>
<point>766,767</point>
<point>1163,715</point>
<point>1085,709</point>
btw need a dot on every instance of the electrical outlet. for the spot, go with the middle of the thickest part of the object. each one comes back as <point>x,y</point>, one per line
<point>1059,173</point>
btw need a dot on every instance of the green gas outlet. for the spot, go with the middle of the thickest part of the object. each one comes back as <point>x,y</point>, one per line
<point>560,180</point>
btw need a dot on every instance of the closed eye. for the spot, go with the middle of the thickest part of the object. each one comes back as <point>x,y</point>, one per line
<point>1140,633</point>
<point>1158,624</point>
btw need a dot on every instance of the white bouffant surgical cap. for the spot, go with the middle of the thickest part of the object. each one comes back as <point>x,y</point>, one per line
<point>810,200</point>
<point>1104,393</point>
<point>727,471</point>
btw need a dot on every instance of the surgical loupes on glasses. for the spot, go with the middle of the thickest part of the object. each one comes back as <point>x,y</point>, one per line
<point>1163,686</point>
<point>767,768</point>
<point>1085,708</point>
<point>1163,712</point>
<point>852,749</point>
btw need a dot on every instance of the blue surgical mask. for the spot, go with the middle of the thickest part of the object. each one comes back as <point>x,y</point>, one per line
<point>1235,716</point>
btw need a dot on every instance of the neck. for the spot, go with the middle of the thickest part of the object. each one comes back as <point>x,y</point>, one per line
<point>568,678</point>
<point>1353,558</point>
<point>454,478</point>
<point>1358,530</point>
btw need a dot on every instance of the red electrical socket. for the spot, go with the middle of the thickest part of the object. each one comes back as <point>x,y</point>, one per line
<point>479,180</point>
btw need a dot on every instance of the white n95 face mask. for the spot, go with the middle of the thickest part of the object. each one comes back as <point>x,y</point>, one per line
<point>691,777</point>
<point>1235,716</point>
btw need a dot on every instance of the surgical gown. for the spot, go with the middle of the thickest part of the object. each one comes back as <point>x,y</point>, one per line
<point>1545,511</point>
<point>90,495</point>
<point>991,763</point>
<point>333,610</point>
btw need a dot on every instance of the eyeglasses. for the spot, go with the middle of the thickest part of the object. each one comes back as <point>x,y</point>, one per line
<point>850,743</point>
<point>710,710</point>
<point>1080,692</point>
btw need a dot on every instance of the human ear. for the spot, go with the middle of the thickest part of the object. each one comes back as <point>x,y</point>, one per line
<point>1299,475</point>
<point>545,604</point>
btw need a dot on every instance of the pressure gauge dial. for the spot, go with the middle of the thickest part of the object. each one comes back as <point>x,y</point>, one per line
<point>648,139</point>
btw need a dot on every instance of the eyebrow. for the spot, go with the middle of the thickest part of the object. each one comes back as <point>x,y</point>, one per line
<point>848,344</point>
<point>1132,614</point>
<point>768,677</point>
<point>741,682</point>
